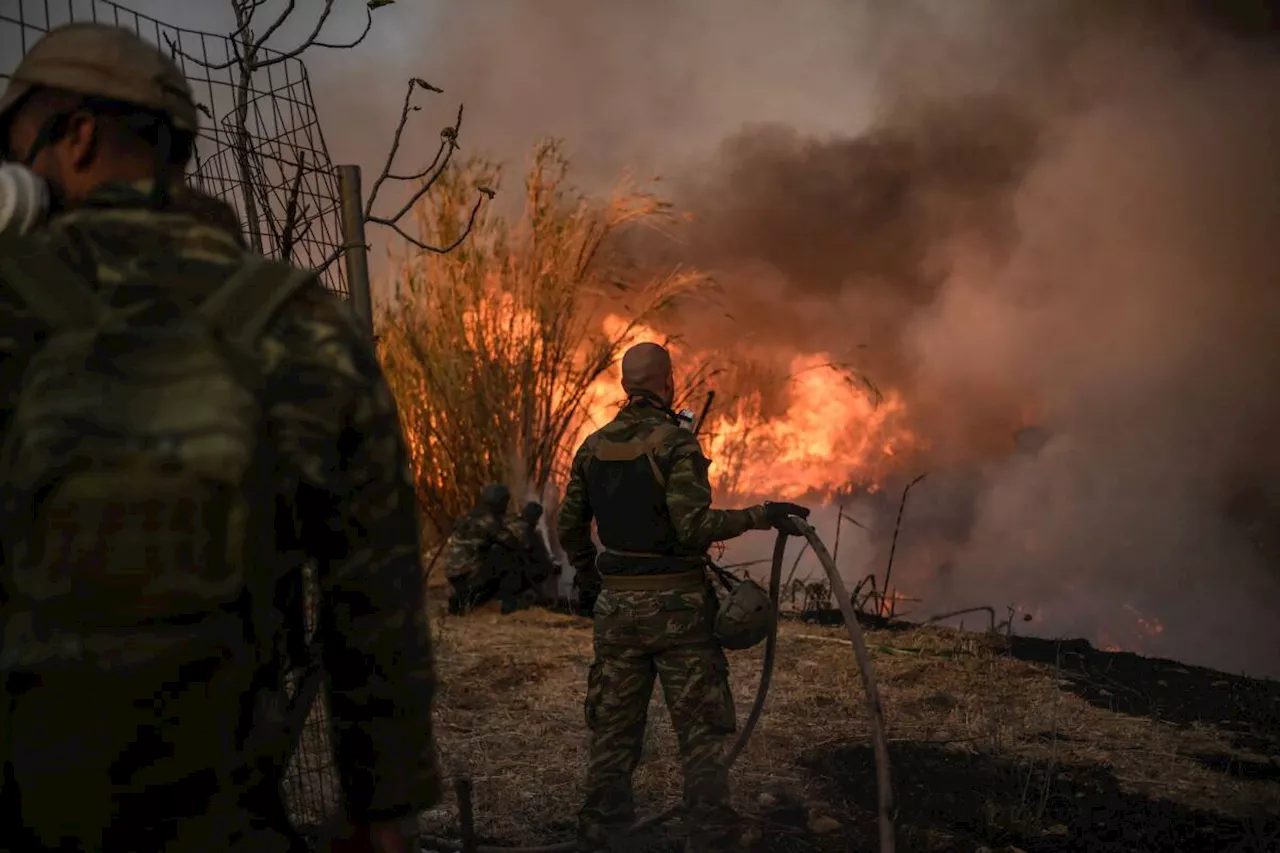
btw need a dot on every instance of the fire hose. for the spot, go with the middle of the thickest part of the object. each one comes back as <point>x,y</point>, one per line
<point>885,804</point>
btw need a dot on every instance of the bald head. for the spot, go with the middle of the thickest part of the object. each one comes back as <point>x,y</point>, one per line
<point>646,368</point>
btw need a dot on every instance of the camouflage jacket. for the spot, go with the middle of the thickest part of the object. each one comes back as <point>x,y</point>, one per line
<point>688,492</point>
<point>474,535</point>
<point>334,426</point>
<point>533,548</point>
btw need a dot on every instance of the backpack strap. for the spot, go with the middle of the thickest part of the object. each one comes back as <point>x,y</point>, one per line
<point>247,301</point>
<point>54,292</point>
<point>606,450</point>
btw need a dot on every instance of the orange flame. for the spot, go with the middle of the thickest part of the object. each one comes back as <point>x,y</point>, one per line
<point>832,435</point>
<point>1144,628</point>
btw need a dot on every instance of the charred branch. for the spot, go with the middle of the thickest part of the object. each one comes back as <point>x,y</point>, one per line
<point>893,547</point>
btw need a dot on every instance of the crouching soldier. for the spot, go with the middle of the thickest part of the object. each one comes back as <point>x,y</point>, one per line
<point>536,567</point>
<point>473,555</point>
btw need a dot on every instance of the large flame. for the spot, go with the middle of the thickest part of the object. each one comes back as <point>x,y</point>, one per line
<point>833,434</point>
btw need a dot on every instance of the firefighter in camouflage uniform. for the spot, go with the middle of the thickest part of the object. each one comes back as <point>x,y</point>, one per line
<point>643,480</point>
<point>537,565</point>
<point>185,425</point>
<point>492,556</point>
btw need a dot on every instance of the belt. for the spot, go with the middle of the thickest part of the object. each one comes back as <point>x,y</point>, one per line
<point>694,581</point>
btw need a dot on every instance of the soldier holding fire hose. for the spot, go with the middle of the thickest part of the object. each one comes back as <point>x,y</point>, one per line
<point>643,480</point>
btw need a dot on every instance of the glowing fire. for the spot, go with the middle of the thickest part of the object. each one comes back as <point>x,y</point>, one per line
<point>892,602</point>
<point>833,434</point>
<point>1144,628</point>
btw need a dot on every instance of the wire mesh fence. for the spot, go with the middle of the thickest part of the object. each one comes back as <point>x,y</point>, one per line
<point>260,146</point>
<point>260,149</point>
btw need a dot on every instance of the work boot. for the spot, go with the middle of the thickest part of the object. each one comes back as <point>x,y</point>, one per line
<point>717,829</point>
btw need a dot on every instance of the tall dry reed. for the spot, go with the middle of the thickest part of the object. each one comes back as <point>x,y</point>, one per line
<point>492,349</point>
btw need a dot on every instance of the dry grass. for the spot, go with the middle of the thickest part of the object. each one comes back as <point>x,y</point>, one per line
<point>491,349</point>
<point>986,749</point>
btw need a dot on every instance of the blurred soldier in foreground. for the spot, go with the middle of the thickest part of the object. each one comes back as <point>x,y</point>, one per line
<point>643,479</point>
<point>490,556</point>
<point>185,425</point>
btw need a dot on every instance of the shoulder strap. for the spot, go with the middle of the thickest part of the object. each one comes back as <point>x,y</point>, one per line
<point>247,301</point>
<point>607,450</point>
<point>55,292</point>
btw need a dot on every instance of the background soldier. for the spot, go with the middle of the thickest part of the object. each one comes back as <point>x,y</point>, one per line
<point>643,479</point>
<point>481,554</point>
<point>175,449</point>
<point>537,566</point>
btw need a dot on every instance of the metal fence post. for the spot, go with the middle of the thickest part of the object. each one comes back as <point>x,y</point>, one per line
<point>357,253</point>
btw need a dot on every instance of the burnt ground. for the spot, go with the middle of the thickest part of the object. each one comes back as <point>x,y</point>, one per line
<point>995,742</point>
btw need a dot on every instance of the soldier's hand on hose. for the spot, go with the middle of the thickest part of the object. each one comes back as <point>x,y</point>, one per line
<point>532,512</point>
<point>778,514</point>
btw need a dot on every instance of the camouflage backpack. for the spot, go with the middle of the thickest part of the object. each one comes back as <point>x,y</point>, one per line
<point>128,470</point>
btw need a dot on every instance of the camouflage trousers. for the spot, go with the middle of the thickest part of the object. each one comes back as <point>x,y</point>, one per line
<point>667,635</point>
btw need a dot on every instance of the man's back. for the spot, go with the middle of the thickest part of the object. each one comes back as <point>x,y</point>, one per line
<point>171,734</point>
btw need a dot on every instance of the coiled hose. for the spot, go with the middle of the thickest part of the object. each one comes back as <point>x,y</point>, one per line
<point>885,802</point>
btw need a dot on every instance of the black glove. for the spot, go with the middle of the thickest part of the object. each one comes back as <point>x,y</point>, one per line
<point>779,513</point>
<point>532,512</point>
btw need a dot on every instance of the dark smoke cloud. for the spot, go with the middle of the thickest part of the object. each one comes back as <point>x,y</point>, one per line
<point>794,223</point>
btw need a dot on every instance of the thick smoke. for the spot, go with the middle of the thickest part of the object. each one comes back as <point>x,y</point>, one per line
<point>1139,306</point>
<point>1094,243</point>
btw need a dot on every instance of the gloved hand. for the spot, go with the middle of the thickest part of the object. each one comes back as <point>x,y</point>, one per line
<point>532,512</point>
<point>778,514</point>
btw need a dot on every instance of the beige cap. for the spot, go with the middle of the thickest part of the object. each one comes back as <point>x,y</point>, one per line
<point>104,62</point>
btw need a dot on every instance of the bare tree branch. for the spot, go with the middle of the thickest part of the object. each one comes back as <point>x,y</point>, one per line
<point>250,54</point>
<point>244,11</point>
<point>256,44</point>
<point>296,225</point>
<point>250,59</point>
<point>428,176</point>
<point>368,25</point>
<point>405,110</point>
<point>443,250</point>
<point>312,40</point>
